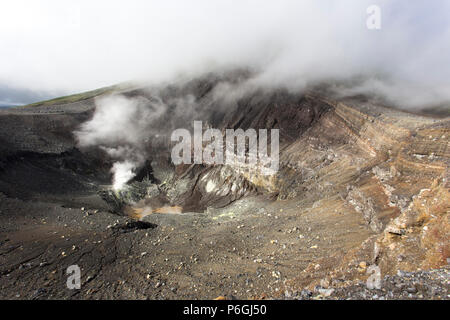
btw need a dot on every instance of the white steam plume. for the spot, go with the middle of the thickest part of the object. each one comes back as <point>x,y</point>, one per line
<point>123,172</point>
<point>121,126</point>
<point>126,128</point>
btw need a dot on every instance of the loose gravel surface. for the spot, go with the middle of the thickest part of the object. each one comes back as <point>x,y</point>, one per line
<point>430,285</point>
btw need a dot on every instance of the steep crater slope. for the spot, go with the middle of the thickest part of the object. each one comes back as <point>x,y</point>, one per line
<point>197,187</point>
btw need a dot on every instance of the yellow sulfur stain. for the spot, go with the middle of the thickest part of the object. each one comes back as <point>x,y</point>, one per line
<point>139,213</point>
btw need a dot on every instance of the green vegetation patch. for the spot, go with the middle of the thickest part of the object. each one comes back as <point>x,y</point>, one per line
<point>75,97</point>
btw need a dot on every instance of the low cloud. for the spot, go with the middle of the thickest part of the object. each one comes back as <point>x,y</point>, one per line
<point>70,46</point>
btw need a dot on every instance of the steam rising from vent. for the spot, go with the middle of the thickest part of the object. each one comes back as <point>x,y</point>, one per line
<point>121,127</point>
<point>127,128</point>
<point>123,172</point>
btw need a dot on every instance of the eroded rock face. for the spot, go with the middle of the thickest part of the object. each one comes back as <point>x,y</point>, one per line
<point>196,187</point>
<point>395,169</point>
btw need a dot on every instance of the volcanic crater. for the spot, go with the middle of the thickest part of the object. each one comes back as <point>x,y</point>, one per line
<point>358,184</point>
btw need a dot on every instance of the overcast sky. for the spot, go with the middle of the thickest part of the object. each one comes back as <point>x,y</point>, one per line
<point>54,47</point>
